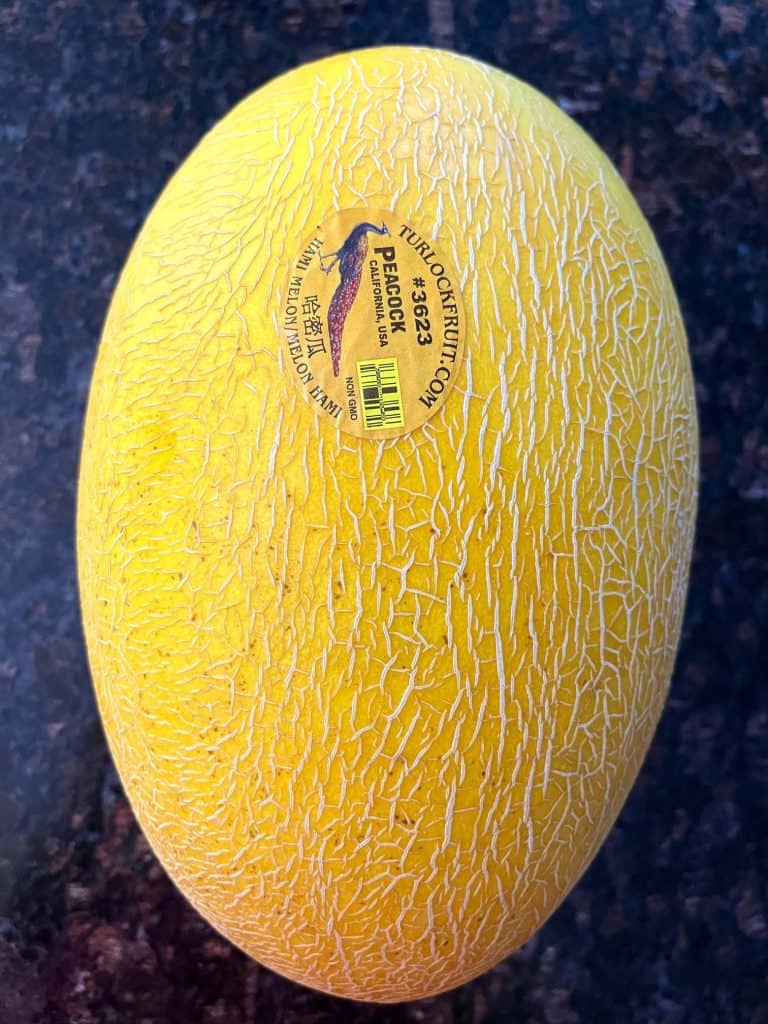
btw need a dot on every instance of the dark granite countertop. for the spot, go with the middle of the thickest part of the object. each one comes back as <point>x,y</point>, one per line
<point>100,102</point>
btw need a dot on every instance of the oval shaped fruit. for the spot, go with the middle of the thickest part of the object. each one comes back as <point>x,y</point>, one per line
<point>376,699</point>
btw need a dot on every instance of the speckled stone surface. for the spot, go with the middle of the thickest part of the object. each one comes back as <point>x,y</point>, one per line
<point>100,102</point>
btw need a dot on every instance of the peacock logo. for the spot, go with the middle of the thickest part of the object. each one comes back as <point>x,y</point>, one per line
<point>350,259</point>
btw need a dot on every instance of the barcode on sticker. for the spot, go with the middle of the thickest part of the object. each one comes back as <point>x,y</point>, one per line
<point>380,390</point>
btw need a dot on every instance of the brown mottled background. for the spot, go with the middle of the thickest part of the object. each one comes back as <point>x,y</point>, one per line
<point>100,102</point>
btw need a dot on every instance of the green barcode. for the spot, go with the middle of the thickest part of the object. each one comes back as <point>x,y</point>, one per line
<point>380,391</point>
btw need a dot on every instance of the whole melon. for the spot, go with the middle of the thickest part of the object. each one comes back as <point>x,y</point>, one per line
<point>378,671</point>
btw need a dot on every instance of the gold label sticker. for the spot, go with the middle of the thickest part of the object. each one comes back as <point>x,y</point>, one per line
<point>373,323</point>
